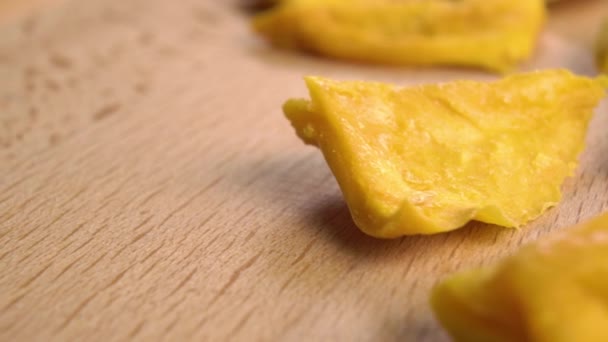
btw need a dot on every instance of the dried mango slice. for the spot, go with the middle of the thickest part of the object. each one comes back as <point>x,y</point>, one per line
<point>602,48</point>
<point>430,158</point>
<point>492,34</point>
<point>553,290</point>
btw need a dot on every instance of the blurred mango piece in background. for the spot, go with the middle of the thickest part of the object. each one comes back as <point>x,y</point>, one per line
<point>490,34</point>
<point>428,159</point>
<point>553,290</point>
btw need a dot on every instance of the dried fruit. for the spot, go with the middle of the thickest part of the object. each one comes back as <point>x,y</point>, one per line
<point>492,34</point>
<point>430,158</point>
<point>553,290</point>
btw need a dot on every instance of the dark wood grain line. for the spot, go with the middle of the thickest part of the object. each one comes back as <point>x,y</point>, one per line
<point>170,327</point>
<point>95,262</point>
<point>183,282</point>
<point>60,216</point>
<point>150,196</point>
<point>244,216</point>
<point>152,252</point>
<point>19,165</point>
<point>138,328</point>
<point>35,244</point>
<point>260,175</point>
<point>304,252</point>
<point>119,252</point>
<point>294,321</point>
<point>140,236</point>
<point>104,204</point>
<point>408,268</point>
<point>27,256</point>
<point>63,248</point>
<point>579,212</point>
<point>74,196</point>
<point>106,111</point>
<point>84,244</point>
<point>12,303</point>
<point>249,236</point>
<point>2,200</point>
<point>190,200</point>
<point>37,159</point>
<point>5,254</point>
<point>38,206</point>
<point>200,226</point>
<point>228,246</point>
<point>240,324</point>
<point>197,247</point>
<point>200,324</point>
<point>290,323</point>
<point>66,246</point>
<point>4,233</point>
<point>172,213</point>
<point>174,305</point>
<point>65,269</point>
<point>53,221</point>
<point>60,61</point>
<point>29,232</point>
<point>457,247</point>
<point>230,157</point>
<point>215,238</point>
<point>111,300</point>
<point>107,199</point>
<point>75,313</point>
<point>149,269</point>
<point>10,214</point>
<point>115,280</point>
<point>90,239</point>
<point>135,239</point>
<point>293,276</point>
<point>496,237</point>
<point>141,224</point>
<point>14,185</point>
<point>234,277</point>
<point>70,234</point>
<point>35,276</point>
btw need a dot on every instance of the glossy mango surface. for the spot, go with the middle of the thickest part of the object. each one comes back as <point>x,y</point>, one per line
<point>553,290</point>
<point>430,158</point>
<point>491,34</point>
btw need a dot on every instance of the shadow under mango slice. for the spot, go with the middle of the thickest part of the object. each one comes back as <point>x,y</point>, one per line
<point>553,290</point>
<point>430,158</point>
<point>602,48</point>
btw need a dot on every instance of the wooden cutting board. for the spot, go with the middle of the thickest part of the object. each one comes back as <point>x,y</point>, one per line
<point>151,188</point>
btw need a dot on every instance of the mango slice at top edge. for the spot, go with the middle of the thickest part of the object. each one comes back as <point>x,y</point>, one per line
<point>428,159</point>
<point>553,290</point>
<point>490,34</point>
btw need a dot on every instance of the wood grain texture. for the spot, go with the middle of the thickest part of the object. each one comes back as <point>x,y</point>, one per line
<point>152,190</point>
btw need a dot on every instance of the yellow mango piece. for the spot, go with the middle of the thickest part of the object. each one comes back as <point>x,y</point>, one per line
<point>602,48</point>
<point>491,34</point>
<point>553,290</point>
<point>428,159</point>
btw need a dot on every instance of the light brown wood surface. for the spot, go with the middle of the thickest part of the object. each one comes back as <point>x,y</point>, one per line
<point>150,188</point>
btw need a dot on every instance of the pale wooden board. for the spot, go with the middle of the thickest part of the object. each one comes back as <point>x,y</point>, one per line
<point>151,188</point>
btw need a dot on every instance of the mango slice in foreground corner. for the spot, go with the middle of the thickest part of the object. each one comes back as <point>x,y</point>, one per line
<point>602,48</point>
<point>430,158</point>
<point>491,34</point>
<point>554,290</point>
